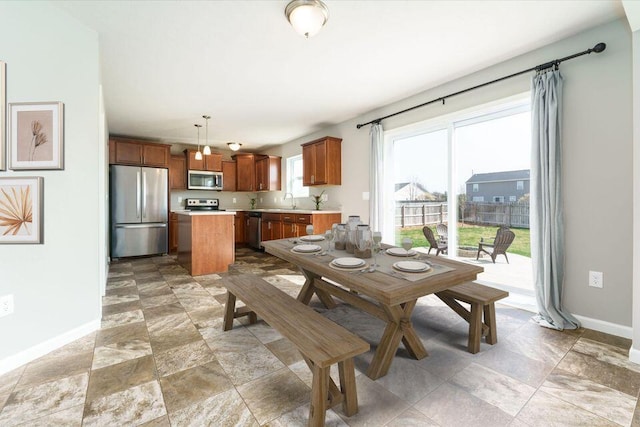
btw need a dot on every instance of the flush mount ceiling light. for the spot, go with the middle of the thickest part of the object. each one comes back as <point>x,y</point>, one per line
<point>234,146</point>
<point>307,16</point>
<point>198,153</point>
<point>206,150</point>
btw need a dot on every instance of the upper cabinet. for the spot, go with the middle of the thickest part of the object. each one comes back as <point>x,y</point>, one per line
<point>268,175</point>
<point>129,151</point>
<point>178,172</point>
<point>211,162</point>
<point>245,171</point>
<point>229,176</point>
<point>322,162</point>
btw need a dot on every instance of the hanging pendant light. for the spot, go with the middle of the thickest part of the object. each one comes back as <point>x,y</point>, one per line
<point>307,17</point>
<point>198,153</point>
<point>207,150</point>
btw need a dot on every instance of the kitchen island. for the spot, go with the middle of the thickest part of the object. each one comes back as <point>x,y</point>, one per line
<point>206,241</point>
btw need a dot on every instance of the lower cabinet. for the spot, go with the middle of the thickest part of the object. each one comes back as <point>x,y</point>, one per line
<point>295,225</point>
<point>239,226</point>
<point>173,232</point>
<point>271,227</point>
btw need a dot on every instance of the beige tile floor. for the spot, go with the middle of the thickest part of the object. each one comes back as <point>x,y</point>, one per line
<point>162,359</point>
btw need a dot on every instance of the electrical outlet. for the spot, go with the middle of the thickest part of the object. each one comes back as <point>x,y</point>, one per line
<point>365,195</point>
<point>6,305</point>
<point>234,200</point>
<point>275,200</point>
<point>260,199</point>
<point>179,199</point>
<point>325,198</point>
<point>596,279</point>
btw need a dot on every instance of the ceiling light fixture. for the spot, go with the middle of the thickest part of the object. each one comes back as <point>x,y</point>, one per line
<point>234,146</point>
<point>206,150</point>
<point>307,16</point>
<point>198,153</point>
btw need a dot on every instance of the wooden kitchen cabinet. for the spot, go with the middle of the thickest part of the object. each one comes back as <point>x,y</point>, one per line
<point>271,228</point>
<point>211,162</point>
<point>245,171</point>
<point>229,176</point>
<point>295,225</point>
<point>268,173</point>
<point>322,162</point>
<point>239,225</point>
<point>173,232</point>
<point>178,172</point>
<point>130,151</point>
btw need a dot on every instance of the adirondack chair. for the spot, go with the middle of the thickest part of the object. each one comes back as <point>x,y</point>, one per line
<point>504,238</point>
<point>433,243</point>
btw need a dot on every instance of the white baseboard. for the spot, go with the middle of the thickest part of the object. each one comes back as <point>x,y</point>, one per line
<point>606,327</point>
<point>22,358</point>
<point>634,355</point>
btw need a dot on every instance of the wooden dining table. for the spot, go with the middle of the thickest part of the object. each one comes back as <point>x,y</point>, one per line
<point>385,293</point>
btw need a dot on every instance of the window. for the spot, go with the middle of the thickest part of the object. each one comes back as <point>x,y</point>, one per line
<point>294,177</point>
<point>519,185</point>
<point>475,188</point>
<point>478,198</point>
<point>512,198</point>
<point>498,199</point>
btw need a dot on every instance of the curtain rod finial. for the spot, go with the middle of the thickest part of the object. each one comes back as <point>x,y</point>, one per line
<point>599,47</point>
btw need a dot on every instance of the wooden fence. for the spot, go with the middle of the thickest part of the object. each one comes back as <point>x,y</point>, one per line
<point>413,214</point>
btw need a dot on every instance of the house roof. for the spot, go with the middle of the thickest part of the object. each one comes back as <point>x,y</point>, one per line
<point>401,185</point>
<point>519,175</point>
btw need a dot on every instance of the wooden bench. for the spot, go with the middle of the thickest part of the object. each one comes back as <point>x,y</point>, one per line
<point>482,300</point>
<point>321,341</point>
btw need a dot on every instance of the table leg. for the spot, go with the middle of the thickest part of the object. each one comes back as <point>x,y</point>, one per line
<point>308,290</point>
<point>410,338</point>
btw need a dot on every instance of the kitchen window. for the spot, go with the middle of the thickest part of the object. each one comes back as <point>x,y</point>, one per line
<point>294,177</point>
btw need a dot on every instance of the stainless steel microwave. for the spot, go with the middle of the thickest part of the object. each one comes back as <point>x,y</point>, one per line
<point>204,180</point>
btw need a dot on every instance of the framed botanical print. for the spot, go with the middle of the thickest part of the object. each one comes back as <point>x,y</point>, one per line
<point>36,135</point>
<point>3,115</point>
<point>21,207</point>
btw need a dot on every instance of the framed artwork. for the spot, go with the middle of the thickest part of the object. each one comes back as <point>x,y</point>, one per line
<point>3,115</point>
<point>21,209</point>
<point>36,135</point>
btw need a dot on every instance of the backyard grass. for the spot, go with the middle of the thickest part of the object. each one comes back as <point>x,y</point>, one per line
<point>469,235</point>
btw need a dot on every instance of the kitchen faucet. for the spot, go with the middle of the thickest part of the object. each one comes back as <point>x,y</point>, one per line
<point>293,200</point>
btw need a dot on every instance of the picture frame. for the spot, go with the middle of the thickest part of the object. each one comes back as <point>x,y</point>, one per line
<point>3,116</point>
<point>21,209</point>
<point>36,135</point>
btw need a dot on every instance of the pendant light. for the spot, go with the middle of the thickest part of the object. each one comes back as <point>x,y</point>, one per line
<point>198,153</point>
<point>307,17</point>
<point>207,150</point>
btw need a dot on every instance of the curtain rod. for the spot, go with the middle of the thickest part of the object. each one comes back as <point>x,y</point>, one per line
<point>597,49</point>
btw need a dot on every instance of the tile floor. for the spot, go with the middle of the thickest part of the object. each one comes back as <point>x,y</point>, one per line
<point>162,359</point>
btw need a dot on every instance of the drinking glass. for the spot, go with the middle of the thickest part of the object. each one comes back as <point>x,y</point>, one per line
<point>407,243</point>
<point>377,238</point>
<point>329,236</point>
<point>309,229</point>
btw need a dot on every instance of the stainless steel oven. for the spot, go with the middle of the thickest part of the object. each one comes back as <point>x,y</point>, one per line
<point>204,180</point>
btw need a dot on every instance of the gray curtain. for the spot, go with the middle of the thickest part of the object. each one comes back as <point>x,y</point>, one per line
<point>376,178</point>
<point>547,223</point>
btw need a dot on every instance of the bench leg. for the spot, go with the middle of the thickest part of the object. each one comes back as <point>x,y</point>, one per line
<point>475,328</point>
<point>490,321</point>
<point>347,373</point>
<point>319,393</point>
<point>229,310</point>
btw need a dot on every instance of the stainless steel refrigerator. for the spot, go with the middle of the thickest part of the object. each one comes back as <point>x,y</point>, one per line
<point>139,210</point>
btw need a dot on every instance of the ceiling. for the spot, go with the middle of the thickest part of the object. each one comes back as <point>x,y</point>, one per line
<point>166,63</point>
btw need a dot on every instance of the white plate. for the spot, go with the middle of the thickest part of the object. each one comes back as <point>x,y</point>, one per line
<point>348,262</point>
<point>306,248</point>
<point>312,238</point>
<point>401,252</point>
<point>411,266</point>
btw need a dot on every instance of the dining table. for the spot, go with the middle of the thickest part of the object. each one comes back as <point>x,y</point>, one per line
<point>386,292</point>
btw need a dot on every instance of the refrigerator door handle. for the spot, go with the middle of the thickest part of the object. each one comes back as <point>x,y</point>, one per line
<point>144,195</point>
<point>159,225</point>
<point>138,194</point>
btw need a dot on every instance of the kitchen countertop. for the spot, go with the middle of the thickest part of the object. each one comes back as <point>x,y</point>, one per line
<point>266,210</point>
<point>193,213</point>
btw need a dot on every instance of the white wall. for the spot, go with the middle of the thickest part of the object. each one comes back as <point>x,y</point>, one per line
<point>597,159</point>
<point>51,57</point>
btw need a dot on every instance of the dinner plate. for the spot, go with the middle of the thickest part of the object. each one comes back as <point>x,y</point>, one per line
<point>306,248</point>
<point>401,252</point>
<point>411,266</point>
<point>348,262</point>
<point>312,238</point>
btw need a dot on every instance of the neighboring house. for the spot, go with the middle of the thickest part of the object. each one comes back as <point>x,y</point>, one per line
<point>499,187</point>
<point>412,191</point>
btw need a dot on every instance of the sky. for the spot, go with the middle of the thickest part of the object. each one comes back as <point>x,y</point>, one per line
<point>496,145</point>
